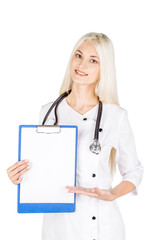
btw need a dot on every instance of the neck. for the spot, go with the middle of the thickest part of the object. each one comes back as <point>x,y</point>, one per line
<point>82,95</point>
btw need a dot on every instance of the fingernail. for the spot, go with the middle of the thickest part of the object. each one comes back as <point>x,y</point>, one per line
<point>28,167</point>
<point>26,160</point>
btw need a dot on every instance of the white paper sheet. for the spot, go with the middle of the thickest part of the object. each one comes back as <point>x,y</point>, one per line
<point>52,158</point>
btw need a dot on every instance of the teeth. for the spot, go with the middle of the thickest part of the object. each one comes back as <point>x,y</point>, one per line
<point>81,73</point>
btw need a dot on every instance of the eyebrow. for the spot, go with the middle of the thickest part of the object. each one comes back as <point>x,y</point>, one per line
<point>90,56</point>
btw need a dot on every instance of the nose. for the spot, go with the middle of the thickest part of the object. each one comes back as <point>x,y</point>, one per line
<point>83,64</point>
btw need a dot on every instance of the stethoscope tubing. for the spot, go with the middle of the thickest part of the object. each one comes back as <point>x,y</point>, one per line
<point>95,146</point>
<point>58,100</point>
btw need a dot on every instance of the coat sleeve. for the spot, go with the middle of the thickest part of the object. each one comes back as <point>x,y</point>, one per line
<point>129,165</point>
<point>41,115</point>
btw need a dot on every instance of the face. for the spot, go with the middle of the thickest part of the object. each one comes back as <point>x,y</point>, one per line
<point>85,64</point>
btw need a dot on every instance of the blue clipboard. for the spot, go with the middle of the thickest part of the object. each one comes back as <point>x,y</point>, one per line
<point>52,152</point>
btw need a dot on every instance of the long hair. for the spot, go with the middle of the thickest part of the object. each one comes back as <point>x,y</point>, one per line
<point>106,87</point>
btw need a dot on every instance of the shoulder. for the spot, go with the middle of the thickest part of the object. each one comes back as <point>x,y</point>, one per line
<point>44,109</point>
<point>46,106</point>
<point>114,116</point>
<point>114,110</point>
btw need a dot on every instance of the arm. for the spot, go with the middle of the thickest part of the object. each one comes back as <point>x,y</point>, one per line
<point>107,195</point>
<point>121,189</point>
<point>129,165</point>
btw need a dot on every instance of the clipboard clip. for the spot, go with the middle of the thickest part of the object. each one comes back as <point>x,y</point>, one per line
<point>48,129</point>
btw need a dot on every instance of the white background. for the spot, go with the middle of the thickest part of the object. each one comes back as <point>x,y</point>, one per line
<point>36,40</point>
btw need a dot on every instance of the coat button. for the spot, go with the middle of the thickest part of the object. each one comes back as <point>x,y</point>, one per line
<point>93,175</point>
<point>93,217</point>
<point>84,118</point>
<point>100,129</point>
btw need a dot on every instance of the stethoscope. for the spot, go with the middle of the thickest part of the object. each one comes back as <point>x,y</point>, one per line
<point>95,147</point>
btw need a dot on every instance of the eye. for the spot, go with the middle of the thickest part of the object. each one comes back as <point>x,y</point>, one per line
<point>94,60</point>
<point>78,55</point>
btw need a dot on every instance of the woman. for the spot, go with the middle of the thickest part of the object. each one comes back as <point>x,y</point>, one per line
<point>91,77</point>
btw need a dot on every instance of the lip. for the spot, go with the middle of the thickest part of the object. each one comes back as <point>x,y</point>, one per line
<point>80,72</point>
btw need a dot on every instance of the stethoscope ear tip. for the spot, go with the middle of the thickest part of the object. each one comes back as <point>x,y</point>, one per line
<point>95,147</point>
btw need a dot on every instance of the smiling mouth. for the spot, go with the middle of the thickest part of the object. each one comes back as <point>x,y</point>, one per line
<point>80,73</point>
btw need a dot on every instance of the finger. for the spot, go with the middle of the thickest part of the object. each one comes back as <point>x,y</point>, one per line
<point>15,165</point>
<point>20,174</point>
<point>19,169</point>
<point>92,192</point>
<point>98,191</point>
<point>81,190</point>
<point>87,191</point>
<point>78,188</point>
<point>18,180</point>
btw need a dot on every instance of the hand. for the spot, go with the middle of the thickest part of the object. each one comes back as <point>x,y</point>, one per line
<point>92,192</point>
<point>16,171</point>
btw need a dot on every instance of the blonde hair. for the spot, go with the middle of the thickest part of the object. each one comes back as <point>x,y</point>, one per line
<point>106,87</point>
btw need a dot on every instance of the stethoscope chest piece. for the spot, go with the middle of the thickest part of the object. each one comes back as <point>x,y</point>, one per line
<point>95,147</point>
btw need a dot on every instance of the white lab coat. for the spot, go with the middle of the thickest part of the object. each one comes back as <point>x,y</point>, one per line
<point>95,219</point>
